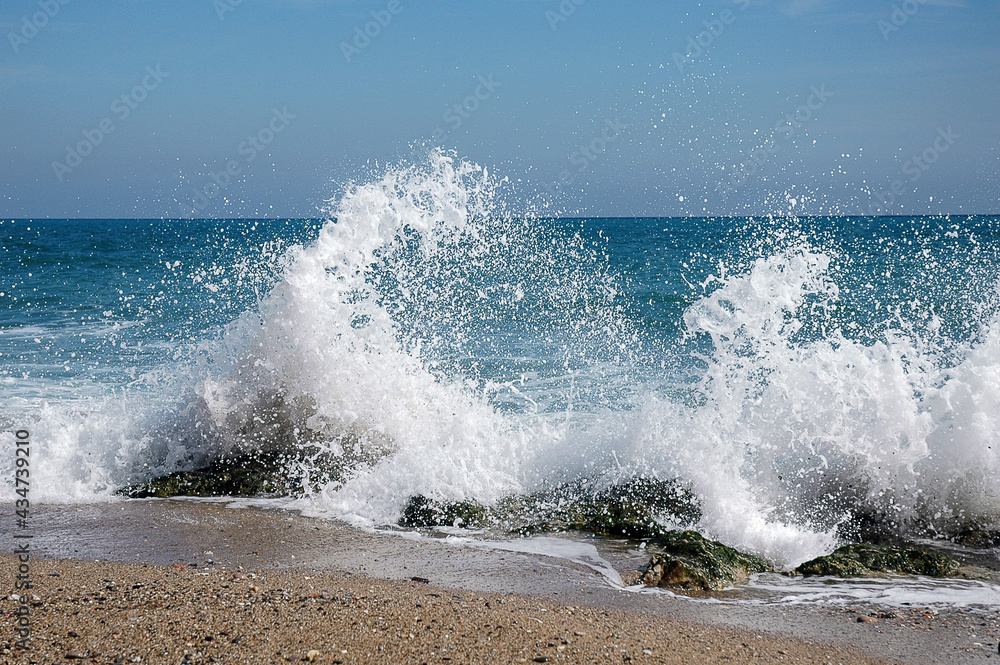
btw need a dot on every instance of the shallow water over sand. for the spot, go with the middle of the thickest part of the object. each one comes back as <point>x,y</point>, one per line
<point>231,533</point>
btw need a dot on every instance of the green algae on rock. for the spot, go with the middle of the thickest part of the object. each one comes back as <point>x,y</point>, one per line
<point>421,512</point>
<point>637,508</point>
<point>251,475</point>
<point>242,477</point>
<point>634,509</point>
<point>683,560</point>
<point>691,562</point>
<point>866,560</point>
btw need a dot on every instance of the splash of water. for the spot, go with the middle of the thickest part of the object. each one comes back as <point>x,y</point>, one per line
<point>795,437</point>
<point>436,345</point>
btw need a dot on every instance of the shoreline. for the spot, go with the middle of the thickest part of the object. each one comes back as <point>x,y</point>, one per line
<point>112,612</point>
<point>208,546</point>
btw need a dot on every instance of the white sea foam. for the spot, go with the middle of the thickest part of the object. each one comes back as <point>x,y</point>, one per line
<point>894,592</point>
<point>358,351</point>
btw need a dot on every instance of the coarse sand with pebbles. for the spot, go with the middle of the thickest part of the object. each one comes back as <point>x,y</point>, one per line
<point>129,613</point>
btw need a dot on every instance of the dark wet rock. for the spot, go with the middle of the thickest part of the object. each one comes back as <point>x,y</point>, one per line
<point>421,512</point>
<point>868,525</point>
<point>272,447</point>
<point>691,562</point>
<point>637,508</point>
<point>259,474</point>
<point>978,538</point>
<point>221,478</point>
<point>866,560</point>
<point>882,527</point>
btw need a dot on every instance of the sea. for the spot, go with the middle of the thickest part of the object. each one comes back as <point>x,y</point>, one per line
<point>794,374</point>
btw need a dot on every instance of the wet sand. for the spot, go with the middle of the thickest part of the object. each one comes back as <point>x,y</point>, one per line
<point>152,579</point>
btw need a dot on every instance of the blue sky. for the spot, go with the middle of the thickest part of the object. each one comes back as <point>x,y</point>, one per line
<point>134,108</point>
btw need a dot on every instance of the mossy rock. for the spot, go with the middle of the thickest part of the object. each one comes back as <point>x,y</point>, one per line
<point>632,509</point>
<point>421,512</point>
<point>684,560</point>
<point>251,475</point>
<point>875,560</point>
<point>691,562</point>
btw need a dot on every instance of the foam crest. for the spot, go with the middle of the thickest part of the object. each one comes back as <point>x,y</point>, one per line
<point>349,380</point>
<point>797,436</point>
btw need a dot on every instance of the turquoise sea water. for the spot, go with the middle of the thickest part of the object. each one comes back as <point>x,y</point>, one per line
<point>788,371</point>
<point>95,303</point>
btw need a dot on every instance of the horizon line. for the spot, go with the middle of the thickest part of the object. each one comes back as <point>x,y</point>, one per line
<point>567,218</point>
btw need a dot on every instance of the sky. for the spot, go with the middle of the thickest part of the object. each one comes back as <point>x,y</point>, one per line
<point>271,108</point>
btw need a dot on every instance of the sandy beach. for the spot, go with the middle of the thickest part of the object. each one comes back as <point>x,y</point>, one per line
<point>119,613</point>
<point>181,581</point>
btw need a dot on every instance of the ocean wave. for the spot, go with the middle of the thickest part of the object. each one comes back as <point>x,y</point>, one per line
<point>439,345</point>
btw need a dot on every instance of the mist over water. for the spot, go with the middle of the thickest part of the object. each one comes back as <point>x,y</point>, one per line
<point>809,380</point>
